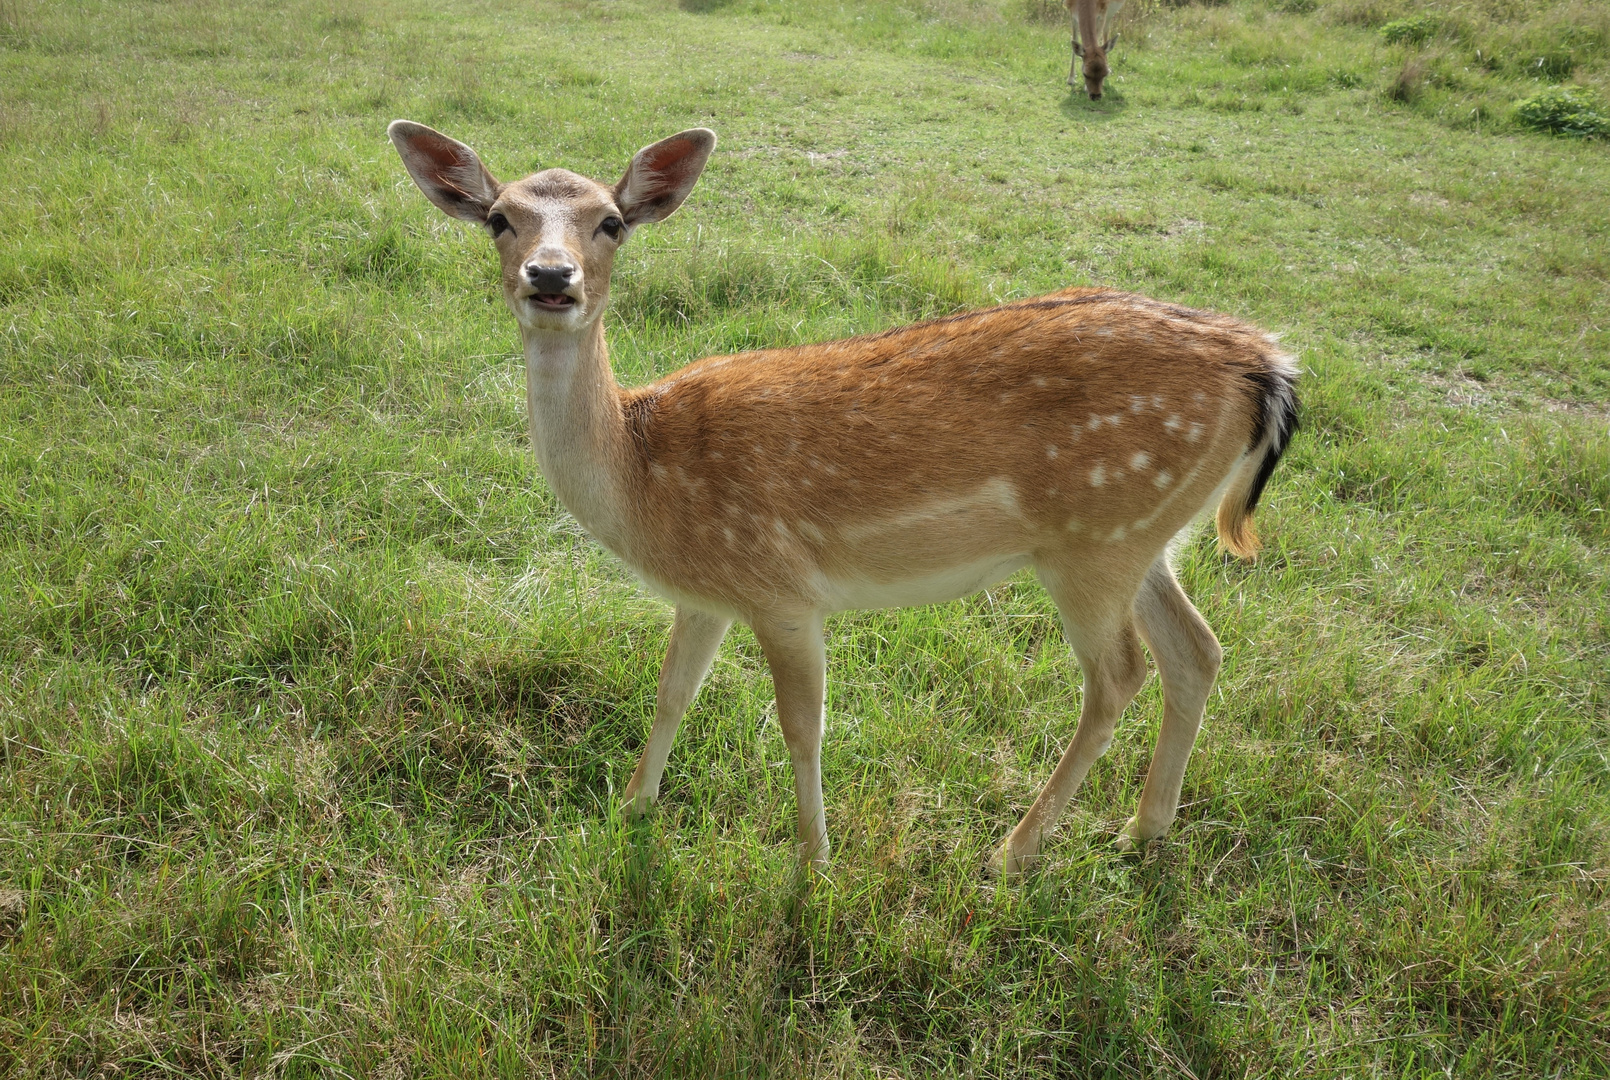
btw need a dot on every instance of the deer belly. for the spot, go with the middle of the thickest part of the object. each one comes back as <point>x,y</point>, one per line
<point>928,554</point>
<point>933,587</point>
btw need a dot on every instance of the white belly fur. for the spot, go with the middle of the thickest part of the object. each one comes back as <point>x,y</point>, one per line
<point>935,588</point>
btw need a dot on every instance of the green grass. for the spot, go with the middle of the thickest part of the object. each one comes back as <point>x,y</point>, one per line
<point>315,703</point>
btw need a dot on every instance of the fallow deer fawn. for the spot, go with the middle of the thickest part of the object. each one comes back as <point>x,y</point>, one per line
<point>1090,41</point>
<point>1077,434</point>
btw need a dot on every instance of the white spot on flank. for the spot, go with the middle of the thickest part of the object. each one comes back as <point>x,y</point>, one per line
<point>1074,525</point>
<point>1137,402</point>
<point>1039,382</point>
<point>657,471</point>
<point>1050,451</point>
<point>727,533</point>
<point>1119,533</point>
<point>810,531</point>
<point>1163,479</point>
<point>1199,397</point>
<point>1195,433</point>
<point>1114,418</point>
<point>782,530</point>
<point>1095,422</point>
<point>1157,401</point>
<point>1140,460</point>
<point>1098,476</point>
<point>1173,423</point>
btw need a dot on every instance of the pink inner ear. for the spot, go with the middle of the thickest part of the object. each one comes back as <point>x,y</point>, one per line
<point>444,155</point>
<point>669,164</point>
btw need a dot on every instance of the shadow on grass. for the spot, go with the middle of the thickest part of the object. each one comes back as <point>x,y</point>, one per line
<point>1078,108</point>
<point>1185,1014</point>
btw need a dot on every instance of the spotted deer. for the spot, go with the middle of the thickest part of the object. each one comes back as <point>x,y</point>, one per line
<point>1090,19</point>
<point>1077,434</point>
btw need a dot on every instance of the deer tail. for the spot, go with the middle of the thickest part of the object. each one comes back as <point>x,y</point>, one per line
<point>1272,386</point>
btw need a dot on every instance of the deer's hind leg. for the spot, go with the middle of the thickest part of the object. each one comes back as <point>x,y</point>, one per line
<point>1100,625</point>
<point>1188,657</point>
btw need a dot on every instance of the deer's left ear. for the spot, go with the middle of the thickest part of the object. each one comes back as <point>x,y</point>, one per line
<point>662,175</point>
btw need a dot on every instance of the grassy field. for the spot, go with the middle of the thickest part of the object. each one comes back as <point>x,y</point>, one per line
<point>314,703</point>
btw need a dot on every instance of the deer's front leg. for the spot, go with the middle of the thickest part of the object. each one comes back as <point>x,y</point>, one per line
<point>798,660</point>
<point>1074,50</point>
<point>695,636</point>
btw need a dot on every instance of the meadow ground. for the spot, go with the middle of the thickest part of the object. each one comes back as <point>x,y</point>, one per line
<point>315,704</point>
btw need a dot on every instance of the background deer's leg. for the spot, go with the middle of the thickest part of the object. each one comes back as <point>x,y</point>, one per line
<point>1188,657</point>
<point>695,636</point>
<point>798,658</point>
<point>1101,630</point>
<point>1073,58</point>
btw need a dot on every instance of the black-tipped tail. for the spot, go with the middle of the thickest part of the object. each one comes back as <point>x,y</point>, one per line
<point>1274,390</point>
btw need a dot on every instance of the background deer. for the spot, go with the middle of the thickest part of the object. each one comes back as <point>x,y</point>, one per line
<point>1091,18</point>
<point>1077,433</point>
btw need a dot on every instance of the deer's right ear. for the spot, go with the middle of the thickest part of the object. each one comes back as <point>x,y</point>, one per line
<point>446,170</point>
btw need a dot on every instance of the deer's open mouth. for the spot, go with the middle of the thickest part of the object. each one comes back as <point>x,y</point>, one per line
<point>553,301</point>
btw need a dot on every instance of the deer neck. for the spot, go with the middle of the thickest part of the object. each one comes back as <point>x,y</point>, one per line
<point>1090,28</point>
<point>578,430</point>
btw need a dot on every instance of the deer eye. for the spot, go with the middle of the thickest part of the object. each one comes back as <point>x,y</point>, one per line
<point>612,227</point>
<point>498,224</point>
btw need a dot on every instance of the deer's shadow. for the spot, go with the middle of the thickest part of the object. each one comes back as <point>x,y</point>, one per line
<point>1079,108</point>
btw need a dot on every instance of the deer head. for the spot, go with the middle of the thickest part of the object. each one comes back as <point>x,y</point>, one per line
<point>556,232</point>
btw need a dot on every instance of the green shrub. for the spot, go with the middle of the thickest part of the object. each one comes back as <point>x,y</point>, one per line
<point>1565,110</point>
<point>1410,31</point>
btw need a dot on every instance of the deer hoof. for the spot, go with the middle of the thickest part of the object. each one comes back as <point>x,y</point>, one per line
<point>1131,841</point>
<point>1007,865</point>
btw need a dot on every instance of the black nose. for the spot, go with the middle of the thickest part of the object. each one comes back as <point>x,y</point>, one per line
<point>549,279</point>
